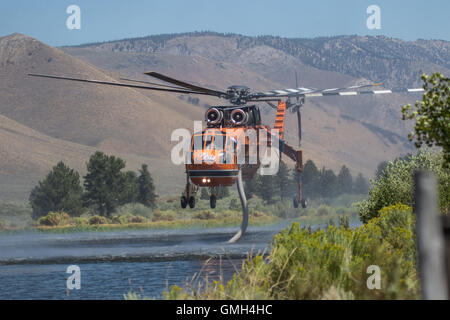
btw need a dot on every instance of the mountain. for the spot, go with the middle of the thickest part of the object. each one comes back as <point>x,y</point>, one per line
<point>43,120</point>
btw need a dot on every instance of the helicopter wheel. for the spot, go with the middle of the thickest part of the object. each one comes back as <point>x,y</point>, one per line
<point>191,202</point>
<point>295,201</point>
<point>212,201</point>
<point>304,203</point>
<point>183,201</point>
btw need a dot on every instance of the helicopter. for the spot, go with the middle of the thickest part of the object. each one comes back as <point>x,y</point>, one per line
<point>219,154</point>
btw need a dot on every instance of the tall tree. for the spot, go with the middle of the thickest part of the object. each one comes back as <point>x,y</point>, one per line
<point>361,185</point>
<point>104,182</point>
<point>432,115</point>
<point>59,191</point>
<point>311,179</point>
<point>269,188</point>
<point>284,182</point>
<point>252,186</point>
<point>131,188</point>
<point>380,169</point>
<point>327,183</point>
<point>344,181</point>
<point>147,195</point>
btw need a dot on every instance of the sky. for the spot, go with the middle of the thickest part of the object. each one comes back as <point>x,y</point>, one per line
<point>105,20</point>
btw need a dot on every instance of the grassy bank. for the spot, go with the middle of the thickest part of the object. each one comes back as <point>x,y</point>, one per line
<point>326,264</point>
<point>169,215</point>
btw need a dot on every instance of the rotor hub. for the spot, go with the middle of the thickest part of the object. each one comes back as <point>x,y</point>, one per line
<point>238,94</point>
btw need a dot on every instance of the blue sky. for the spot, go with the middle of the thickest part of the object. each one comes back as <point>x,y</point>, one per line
<point>103,20</point>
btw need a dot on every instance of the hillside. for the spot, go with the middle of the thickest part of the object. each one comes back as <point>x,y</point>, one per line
<point>46,120</point>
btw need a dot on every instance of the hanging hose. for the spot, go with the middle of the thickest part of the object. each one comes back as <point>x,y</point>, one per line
<point>244,224</point>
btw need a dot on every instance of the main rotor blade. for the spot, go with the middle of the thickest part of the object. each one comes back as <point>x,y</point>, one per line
<point>354,93</point>
<point>305,91</point>
<point>116,84</point>
<point>152,83</point>
<point>185,84</point>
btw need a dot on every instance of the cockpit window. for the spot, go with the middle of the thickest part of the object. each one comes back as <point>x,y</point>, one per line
<point>219,142</point>
<point>208,142</point>
<point>198,142</point>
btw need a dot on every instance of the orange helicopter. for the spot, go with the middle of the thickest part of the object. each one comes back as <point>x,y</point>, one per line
<point>225,153</point>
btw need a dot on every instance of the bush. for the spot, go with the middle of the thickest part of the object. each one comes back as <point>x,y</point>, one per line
<point>138,219</point>
<point>396,184</point>
<point>160,216</point>
<point>81,221</point>
<point>97,220</point>
<point>256,214</point>
<point>2,225</point>
<point>55,219</point>
<point>128,218</point>
<point>205,215</point>
<point>323,210</point>
<point>137,209</point>
<point>330,263</point>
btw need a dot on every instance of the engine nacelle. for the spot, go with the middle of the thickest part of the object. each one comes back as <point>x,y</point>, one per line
<point>213,116</point>
<point>239,117</point>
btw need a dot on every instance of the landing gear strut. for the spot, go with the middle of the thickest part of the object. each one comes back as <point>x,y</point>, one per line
<point>188,196</point>
<point>212,201</point>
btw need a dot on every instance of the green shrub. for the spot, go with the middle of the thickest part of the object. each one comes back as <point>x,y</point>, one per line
<point>323,210</point>
<point>55,219</point>
<point>163,216</point>
<point>256,214</point>
<point>138,219</point>
<point>137,209</point>
<point>81,221</point>
<point>234,204</point>
<point>330,263</point>
<point>205,215</point>
<point>396,184</point>
<point>128,218</point>
<point>97,220</point>
<point>2,225</point>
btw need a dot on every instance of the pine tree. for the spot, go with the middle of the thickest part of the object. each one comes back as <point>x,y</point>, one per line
<point>131,188</point>
<point>361,185</point>
<point>344,181</point>
<point>252,186</point>
<point>311,179</point>
<point>327,183</point>
<point>104,182</point>
<point>59,191</point>
<point>284,182</point>
<point>147,195</point>
<point>380,169</point>
<point>269,188</point>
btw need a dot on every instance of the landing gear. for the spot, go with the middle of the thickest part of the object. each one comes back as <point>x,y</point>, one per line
<point>212,201</point>
<point>191,202</point>
<point>188,196</point>
<point>304,203</point>
<point>183,201</point>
